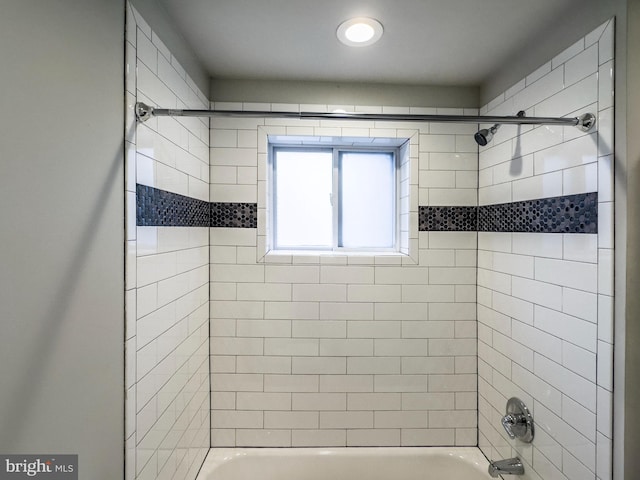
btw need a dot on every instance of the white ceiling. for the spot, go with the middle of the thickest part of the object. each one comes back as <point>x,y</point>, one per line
<point>437,42</point>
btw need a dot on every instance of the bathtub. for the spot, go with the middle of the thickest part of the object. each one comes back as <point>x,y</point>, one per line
<point>376,463</point>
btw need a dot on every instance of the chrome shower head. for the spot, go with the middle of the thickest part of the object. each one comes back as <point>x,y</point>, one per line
<point>484,136</point>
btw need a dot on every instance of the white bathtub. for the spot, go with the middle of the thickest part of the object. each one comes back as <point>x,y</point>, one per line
<point>407,463</point>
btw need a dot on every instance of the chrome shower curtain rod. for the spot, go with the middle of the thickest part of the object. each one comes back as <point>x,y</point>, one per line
<point>584,122</point>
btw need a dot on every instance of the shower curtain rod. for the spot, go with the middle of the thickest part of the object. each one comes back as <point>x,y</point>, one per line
<point>584,122</point>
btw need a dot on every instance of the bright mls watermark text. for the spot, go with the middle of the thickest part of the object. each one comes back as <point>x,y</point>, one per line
<point>49,467</point>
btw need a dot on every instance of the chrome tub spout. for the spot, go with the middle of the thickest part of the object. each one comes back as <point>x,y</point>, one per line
<point>510,466</point>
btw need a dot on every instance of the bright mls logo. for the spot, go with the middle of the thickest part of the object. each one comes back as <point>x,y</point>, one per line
<point>49,467</point>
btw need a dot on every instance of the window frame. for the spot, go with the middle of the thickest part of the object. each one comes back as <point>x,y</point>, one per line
<point>336,148</point>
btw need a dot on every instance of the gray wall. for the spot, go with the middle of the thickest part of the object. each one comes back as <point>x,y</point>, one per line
<point>61,191</point>
<point>632,259</point>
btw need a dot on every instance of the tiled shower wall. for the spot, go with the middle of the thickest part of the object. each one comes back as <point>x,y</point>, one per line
<point>545,299</point>
<point>167,298</point>
<point>335,350</point>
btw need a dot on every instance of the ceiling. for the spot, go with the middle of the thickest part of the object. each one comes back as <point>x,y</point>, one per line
<point>433,42</point>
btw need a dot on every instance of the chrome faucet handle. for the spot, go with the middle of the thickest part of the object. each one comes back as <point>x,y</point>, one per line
<point>508,422</point>
<point>518,421</point>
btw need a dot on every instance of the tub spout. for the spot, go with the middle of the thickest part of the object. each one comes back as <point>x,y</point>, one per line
<point>510,466</point>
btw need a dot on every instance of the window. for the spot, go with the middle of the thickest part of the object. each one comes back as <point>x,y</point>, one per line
<point>334,198</point>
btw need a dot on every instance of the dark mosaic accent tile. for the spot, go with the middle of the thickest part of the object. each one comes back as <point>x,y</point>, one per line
<point>568,214</point>
<point>235,215</point>
<point>159,208</point>
<point>447,219</point>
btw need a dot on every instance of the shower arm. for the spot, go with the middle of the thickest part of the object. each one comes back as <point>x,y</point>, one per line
<point>584,122</point>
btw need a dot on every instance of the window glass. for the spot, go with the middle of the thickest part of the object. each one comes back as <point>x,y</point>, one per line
<point>333,198</point>
<point>367,200</point>
<point>303,188</point>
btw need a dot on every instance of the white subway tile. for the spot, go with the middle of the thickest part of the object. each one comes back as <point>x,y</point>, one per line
<point>292,274</point>
<point>541,89</point>
<point>576,387</point>
<point>319,328</point>
<point>292,420</point>
<point>605,272</point>
<point>572,329</point>
<point>578,275</point>
<point>400,347</point>
<point>262,364</point>
<point>581,151</point>
<point>313,438</point>
<point>579,418</point>
<point>221,382</point>
<point>247,437</point>
<point>452,161</point>
<point>452,383</point>
<point>263,328</point>
<point>350,274</point>
<point>318,365</point>
<point>537,292</point>
<point>605,85</point>
<point>605,365</point>
<point>605,318</point>
<point>418,293</point>
<point>291,346</point>
<point>538,73</point>
<point>605,132</point>
<point>432,436</point>
<point>373,437</point>
<point>347,347</point>
<point>604,460</point>
<point>319,293</point>
<point>606,43</point>
<point>263,401</point>
<point>580,304</point>
<point>540,186</point>
<point>291,310</point>
<point>373,401</point>
<point>539,389</point>
<point>495,194</point>
<point>581,66</point>
<point>400,383</point>
<point>346,383</point>
<point>605,179</point>
<point>579,360</point>
<point>580,179</point>
<point>236,309</point>
<point>319,401</point>
<point>604,412</point>
<point>538,244</point>
<point>437,143</point>
<point>451,347</point>
<point>346,311</point>
<point>537,340</point>
<point>291,383</point>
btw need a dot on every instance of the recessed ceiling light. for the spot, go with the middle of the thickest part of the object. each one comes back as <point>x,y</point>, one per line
<point>359,32</point>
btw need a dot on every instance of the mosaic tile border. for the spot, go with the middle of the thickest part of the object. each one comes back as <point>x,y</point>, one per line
<point>447,219</point>
<point>159,208</point>
<point>234,215</point>
<point>567,214</point>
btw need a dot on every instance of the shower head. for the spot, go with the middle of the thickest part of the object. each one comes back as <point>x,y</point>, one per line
<point>484,136</point>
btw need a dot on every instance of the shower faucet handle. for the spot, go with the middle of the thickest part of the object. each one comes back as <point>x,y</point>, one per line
<point>518,422</point>
<point>513,424</point>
